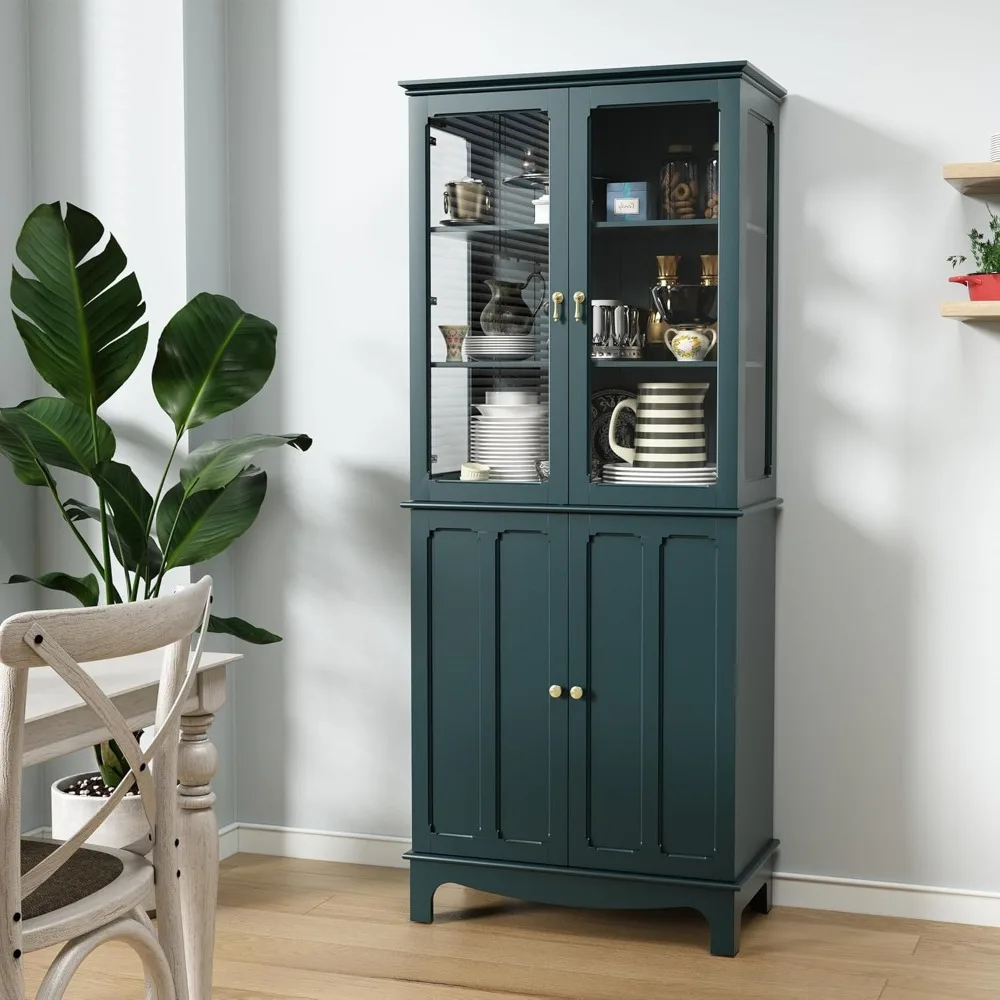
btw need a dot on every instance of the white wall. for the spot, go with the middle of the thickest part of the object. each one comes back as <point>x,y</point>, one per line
<point>122,96</point>
<point>887,744</point>
<point>17,382</point>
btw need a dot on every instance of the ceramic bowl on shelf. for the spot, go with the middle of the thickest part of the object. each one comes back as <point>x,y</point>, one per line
<point>504,397</point>
<point>511,411</point>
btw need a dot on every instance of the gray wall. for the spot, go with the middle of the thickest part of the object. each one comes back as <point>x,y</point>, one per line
<point>17,379</point>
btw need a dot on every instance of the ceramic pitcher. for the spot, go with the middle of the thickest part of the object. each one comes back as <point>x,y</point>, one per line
<point>507,314</point>
<point>669,426</point>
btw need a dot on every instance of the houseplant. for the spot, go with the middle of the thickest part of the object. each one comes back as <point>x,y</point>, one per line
<point>985,283</point>
<point>78,313</point>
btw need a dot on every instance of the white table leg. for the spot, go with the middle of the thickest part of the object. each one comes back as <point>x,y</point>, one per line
<point>198,832</point>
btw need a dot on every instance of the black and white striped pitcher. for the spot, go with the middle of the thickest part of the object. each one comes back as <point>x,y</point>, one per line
<point>669,426</point>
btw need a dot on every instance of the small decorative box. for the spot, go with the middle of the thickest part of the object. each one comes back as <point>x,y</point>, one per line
<point>627,201</point>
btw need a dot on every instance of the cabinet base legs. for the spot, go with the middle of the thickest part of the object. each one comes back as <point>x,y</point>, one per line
<point>423,885</point>
<point>721,904</point>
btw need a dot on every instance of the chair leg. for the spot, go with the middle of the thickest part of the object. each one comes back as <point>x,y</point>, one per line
<point>127,929</point>
<point>11,978</point>
<point>140,915</point>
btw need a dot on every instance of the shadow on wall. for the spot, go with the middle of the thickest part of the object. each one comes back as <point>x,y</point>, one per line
<point>864,404</point>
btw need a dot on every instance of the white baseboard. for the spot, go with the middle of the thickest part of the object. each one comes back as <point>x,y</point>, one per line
<point>887,899</point>
<point>323,845</point>
<point>229,841</point>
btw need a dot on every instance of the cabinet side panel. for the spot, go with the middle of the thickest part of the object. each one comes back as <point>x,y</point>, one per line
<point>523,706</point>
<point>690,793</point>
<point>454,675</point>
<point>614,697</point>
<point>755,685</point>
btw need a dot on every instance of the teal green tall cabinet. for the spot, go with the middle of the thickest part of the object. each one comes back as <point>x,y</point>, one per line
<point>593,632</point>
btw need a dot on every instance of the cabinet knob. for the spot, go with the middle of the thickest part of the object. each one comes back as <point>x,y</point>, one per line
<point>555,691</point>
<point>557,301</point>
<point>576,692</point>
<point>579,298</point>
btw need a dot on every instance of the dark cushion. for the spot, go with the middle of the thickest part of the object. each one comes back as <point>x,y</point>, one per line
<point>85,873</point>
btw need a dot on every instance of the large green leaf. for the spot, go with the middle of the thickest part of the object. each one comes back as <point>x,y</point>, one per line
<point>212,357</point>
<point>60,433</point>
<point>242,630</point>
<point>198,527</point>
<point>217,463</point>
<point>28,465</point>
<point>131,506</point>
<point>77,317</point>
<point>84,588</point>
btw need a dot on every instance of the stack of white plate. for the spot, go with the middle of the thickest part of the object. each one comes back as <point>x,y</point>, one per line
<point>995,148</point>
<point>511,440</point>
<point>487,347</point>
<point>705,475</point>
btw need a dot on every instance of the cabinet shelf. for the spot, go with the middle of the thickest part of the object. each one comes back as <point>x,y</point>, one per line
<point>659,224</point>
<point>490,364</point>
<point>981,180</point>
<point>649,363</point>
<point>972,311</point>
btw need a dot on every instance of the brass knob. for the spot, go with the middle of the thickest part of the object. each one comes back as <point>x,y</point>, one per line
<point>579,298</point>
<point>555,691</point>
<point>557,301</point>
<point>576,692</point>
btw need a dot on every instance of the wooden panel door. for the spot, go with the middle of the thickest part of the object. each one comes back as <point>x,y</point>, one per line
<point>652,646</point>
<point>489,741</point>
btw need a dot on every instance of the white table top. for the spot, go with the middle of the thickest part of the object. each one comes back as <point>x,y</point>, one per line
<point>49,694</point>
<point>57,721</point>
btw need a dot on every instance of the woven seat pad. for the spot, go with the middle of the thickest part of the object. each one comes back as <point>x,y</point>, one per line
<point>85,873</point>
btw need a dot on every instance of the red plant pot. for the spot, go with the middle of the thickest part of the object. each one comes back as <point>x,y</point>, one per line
<point>982,287</point>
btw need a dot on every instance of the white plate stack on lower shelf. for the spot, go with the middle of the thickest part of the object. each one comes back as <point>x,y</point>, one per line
<point>511,436</point>
<point>513,347</point>
<point>995,148</point>
<point>703,475</point>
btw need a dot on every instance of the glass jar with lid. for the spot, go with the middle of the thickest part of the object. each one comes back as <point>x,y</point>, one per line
<point>712,184</point>
<point>679,184</point>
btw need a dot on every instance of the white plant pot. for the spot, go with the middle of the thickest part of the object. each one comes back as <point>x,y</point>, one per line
<point>126,824</point>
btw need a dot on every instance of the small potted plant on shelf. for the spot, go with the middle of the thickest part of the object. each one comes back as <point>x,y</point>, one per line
<point>78,311</point>
<point>984,285</point>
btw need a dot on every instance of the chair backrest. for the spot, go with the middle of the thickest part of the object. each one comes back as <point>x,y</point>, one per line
<point>61,640</point>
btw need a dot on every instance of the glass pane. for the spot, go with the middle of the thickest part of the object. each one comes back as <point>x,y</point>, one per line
<point>489,276</point>
<point>654,276</point>
<point>755,307</point>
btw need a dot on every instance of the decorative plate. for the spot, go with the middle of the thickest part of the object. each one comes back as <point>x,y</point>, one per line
<point>602,404</point>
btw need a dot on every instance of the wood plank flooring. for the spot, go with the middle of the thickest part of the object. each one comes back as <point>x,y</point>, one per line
<point>317,931</point>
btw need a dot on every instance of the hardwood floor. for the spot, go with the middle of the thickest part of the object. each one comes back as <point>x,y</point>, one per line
<point>317,931</point>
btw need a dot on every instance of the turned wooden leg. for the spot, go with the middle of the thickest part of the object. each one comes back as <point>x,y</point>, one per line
<point>198,850</point>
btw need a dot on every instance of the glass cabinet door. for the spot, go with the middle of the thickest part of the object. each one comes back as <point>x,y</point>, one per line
<point>494,221</point>
<point>652,401</point>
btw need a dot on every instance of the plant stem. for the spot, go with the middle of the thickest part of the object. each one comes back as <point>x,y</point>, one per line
<point>76,531</point>
<point>105,547</point>
<point>163,479</point>
<point>154,589</point>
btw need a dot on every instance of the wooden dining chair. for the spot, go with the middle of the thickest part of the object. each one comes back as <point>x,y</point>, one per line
<point>55,892</point>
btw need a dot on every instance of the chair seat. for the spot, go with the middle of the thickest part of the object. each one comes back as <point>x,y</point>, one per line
<point>94,887</point>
